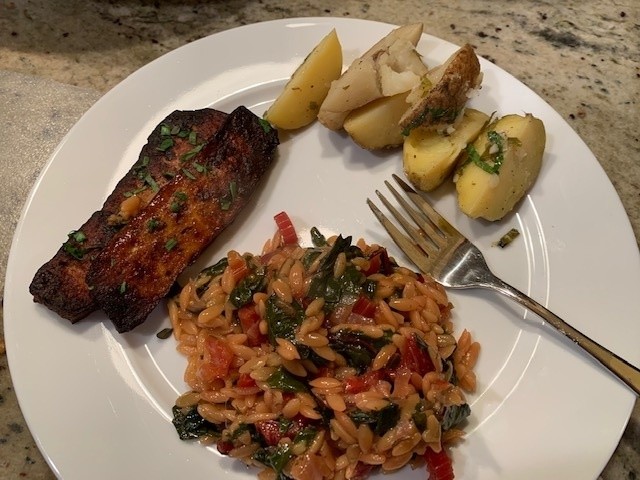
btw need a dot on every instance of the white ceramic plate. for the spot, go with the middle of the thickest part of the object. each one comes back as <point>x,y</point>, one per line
<point>99,403</point>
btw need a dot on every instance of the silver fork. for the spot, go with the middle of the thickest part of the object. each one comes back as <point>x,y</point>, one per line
<point>442,252</point>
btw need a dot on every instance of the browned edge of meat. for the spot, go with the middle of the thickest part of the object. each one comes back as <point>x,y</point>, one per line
<point>172,147</point>
<point>141,263</point>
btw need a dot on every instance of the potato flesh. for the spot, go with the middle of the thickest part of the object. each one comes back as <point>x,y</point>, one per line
<point>492,196</point>
<point>299,102</point>
<point>391,64</point>
<point>375,125</point>
<point>429,156</point>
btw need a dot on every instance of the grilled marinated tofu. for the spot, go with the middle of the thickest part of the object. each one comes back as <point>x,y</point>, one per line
<point>172,147</point>
<point>142,261</point>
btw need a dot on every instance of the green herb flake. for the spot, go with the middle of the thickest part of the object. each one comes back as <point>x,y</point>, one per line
<point>165,144</point>
<point>153,224</point>
<point>193,136</point>
<point>149,180</point>
<point>123,287</point>
<point>199,167</point>
<point>170,244</point>
<point>188,174</point>
<point>507,238</point>
<point>266,126</point>
<point>165,130</point>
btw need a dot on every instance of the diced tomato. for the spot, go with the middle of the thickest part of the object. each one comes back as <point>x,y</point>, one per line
<point>250,323</point>
<point>364,306</point>
<point>379,262</point>
<point>287,230</point>
<point>245,381</point>
<point>439,465</point>
<point>361,471</point>
<point>270,431</point>
<point>218,360</point>
<point>374,265</point>
<point>238,265</point>
<point>225,447</point>
<point>363,382</point>
<point>415,358</point>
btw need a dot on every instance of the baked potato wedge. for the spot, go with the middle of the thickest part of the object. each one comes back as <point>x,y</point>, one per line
<point>390,67</point>
<point>442,94</point>
<point>429,156</point>
<point>375,125</point>
<point>500,166</point>
<point>298,104</point>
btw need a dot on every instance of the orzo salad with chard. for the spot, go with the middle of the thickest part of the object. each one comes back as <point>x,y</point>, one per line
<point>322,362</point>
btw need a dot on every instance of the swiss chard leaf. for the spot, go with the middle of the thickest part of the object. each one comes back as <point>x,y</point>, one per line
<point>454,414</point>
<point>358,349</point>
<point>217,268</point>
<point>275,457</point>
<point>282,319</point>
<point>243,292</point>
<point>380,421</point>
<point>191,425</point>
<point>283,380</point>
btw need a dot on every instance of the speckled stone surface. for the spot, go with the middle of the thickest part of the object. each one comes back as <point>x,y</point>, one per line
<point>57,57</point>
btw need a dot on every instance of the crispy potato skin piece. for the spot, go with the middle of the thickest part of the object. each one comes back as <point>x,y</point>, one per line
<point>452,82</point>
<point>60,283</point>
<point>141,263</point>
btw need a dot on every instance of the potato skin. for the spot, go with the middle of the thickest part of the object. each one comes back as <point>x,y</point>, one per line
<point>298,104</point>
<point>492,195</point>
<point>429,157</point>
<point>360,83</point>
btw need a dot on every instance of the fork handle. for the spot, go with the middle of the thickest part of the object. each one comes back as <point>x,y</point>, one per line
<point>626,372</point>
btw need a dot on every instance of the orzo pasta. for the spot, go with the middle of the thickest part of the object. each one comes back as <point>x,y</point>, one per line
<point>322,362</point>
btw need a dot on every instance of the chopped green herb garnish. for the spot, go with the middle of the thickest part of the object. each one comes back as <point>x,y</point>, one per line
<point>490,162</point>
<point>192,137</point>
<point>188,174</point>
<point>508,237</point>
<point>153,224</point>
<point>192,153</point>
<point>165,130</point>
<point>73,245</point>
<point>170,244</point>
<point>149,180</point>
<point>266,126</point>
<point>165,144</point>
<point>123,287</point>
<point>199,168</point>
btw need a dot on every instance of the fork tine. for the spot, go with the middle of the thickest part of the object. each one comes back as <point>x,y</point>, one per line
<point>415,254</point>
<point>434,217</point>
<point>423,221</point>
<point>412,230</point>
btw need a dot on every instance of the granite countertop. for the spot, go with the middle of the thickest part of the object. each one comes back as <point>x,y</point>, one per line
<point>58,57</point>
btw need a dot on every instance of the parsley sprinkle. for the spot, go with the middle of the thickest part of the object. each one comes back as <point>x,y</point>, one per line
<point>192,137</point>
<point>165,130</point>
<point>123,287</point>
